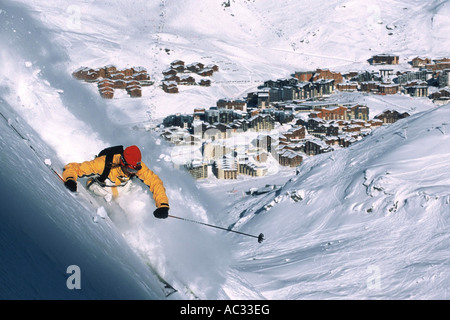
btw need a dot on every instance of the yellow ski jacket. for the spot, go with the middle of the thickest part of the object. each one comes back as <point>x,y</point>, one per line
<point>117,176</point>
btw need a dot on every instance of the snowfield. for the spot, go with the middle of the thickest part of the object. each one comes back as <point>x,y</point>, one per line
<point>367,222</point>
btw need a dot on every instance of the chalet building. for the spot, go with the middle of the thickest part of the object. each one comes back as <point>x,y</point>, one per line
<point>178,120</point>
<point>417,89</point>
<point>128,72</point>
<point>133,88</point>
<point>132,84</point>
<point>120,84</point>
<point>313,124</point>
<point>352,128</point>
<point>304,76</point>
<point>441,60</point>
<point>262,122</point>
<point>333,113</point>
<point>331,140</point>
<point>326,129</point>
<point>281,116</point>
<point>81,73</point>
<point>305,90</point>
<point>141,76</point>
<point>205,72</point>
<point>232,104</point>
<point>280,83</point>
<point>172,77</point>
<point>240,125</point>
<point>366,76</point>
<point>170,86</point>
<point>358,112</point>
<point>198,128</point>
<point>347,86</point>
<point>225,168</point>
<point>261,156</point>
<point>435,67</point>
<point>369,86</point>
<point>186,79</point>
<point>324,87</point>
<point>386,73</point>
<point>441,97</point>
<point>349,75</point>
<point>325,74</point>
<point>224,129</point>
<point>105,83</point>
<point>316,146</point>
<point>290,158</point>
<point>288,93</point>
<point>375,123</point>
<point>346,141</point>
<point>195,67</point>
<point>214,67</point>
<point>177,65</point>
<point>198,170</point>
<point>117,76</point>
<point>391,116</point>
<point>408,76</point>
<point>190,139</point>
<point>263,98</point>
<point>213,150</point>
<point>388,88</point>
<point>265,142</point>
<point>385,59</point>
<point>295,133</point>
<point>107,71</point>
<point>275,94</point>
<point>443,93</point>
<point>169,71</point>
<point>134,91</point>
<point>251,169</point>
<point>444,78</point>
<point>205,82</point>
<point>106,88</point>
<point>212,133</point>
<point>179,136</point>
<point>106,92</point>
<point>420,62</point>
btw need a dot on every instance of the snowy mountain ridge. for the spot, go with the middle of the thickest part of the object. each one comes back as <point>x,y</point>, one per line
<point>366,222</point>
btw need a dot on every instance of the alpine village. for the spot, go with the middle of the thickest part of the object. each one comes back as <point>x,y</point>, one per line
<point>283,121</point>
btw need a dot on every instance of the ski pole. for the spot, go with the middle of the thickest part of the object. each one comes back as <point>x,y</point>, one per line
<point>260,237</point>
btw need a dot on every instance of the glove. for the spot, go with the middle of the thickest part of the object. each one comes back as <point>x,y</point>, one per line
<point>161,213</point>
<point>71,185</point>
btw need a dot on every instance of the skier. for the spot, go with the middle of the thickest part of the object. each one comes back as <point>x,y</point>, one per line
<point>113,169</point>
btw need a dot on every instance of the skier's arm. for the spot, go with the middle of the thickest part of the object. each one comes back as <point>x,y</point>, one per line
<point>155,184</point>
<point>74,170</point>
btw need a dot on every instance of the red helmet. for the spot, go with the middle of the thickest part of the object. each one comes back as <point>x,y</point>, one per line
<point>132,156</point>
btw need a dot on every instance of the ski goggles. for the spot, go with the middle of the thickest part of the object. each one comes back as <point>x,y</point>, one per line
<point>131,168</point>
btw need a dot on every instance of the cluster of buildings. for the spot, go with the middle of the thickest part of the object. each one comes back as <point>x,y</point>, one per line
<point>284,120</point>
<point>274,134</point>
<point>289,119</point>
<point>321,82</point>
<point>109,78</point>
<point>180,74</point>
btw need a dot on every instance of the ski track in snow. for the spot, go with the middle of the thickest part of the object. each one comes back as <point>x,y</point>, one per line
<point>366,222</point>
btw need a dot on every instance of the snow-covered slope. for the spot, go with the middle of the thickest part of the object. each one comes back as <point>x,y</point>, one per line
<point>365,222</point>
<point>45,230</point>
<point>369,221</point>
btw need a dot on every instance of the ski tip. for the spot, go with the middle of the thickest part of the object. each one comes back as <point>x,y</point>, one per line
<point>260,238</point>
